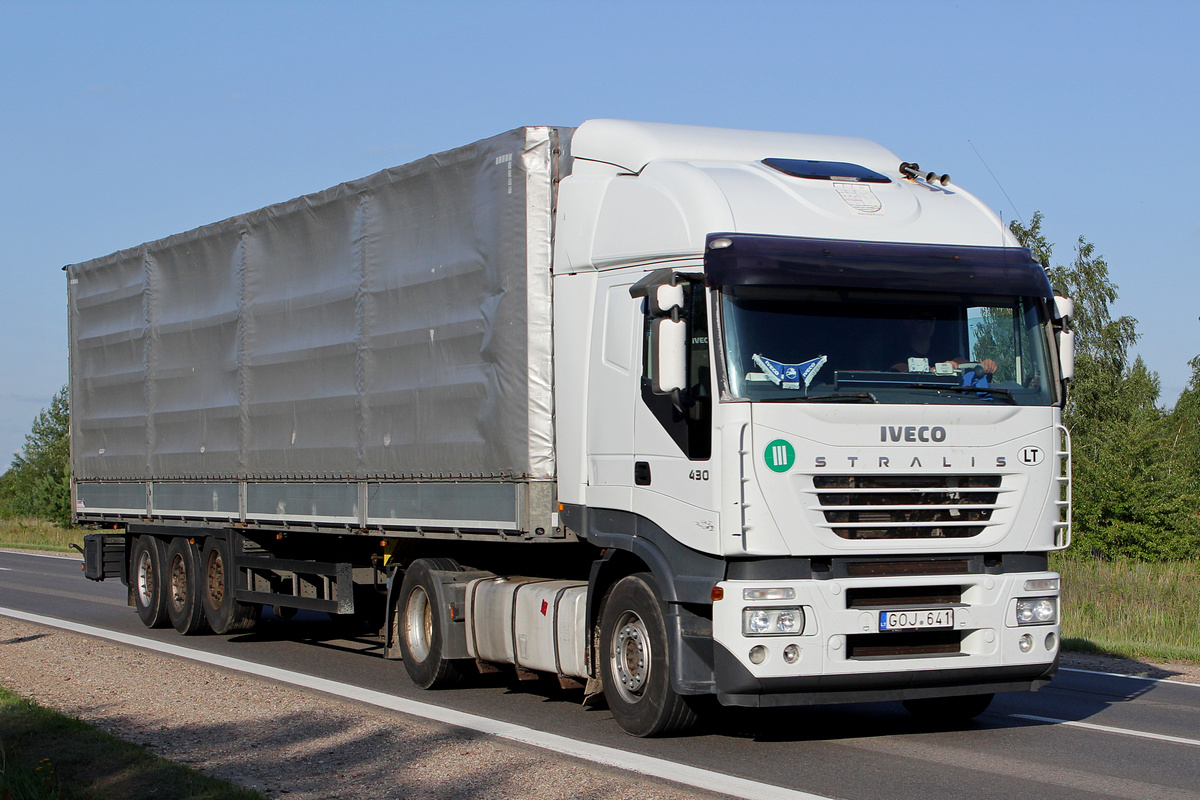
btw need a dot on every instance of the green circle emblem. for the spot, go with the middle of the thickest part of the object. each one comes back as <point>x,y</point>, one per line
<point>780,455</point>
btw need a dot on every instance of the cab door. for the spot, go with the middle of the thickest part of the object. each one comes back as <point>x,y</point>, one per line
<point>675,480</point>
<point>613,387</point>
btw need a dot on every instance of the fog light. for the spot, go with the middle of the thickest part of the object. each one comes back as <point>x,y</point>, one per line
<point>758,654</point>
<point>1025,643</point>
<point>791,654</point>
<point>1051,641</point>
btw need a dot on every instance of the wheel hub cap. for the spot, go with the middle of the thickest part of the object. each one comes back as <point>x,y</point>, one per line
<point>631,654</point>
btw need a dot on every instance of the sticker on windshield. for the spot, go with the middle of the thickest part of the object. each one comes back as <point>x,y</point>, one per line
<point>780,455</point>
<point>788,376</point>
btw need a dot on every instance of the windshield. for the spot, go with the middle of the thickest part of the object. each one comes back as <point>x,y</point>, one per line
<point>801,344</point>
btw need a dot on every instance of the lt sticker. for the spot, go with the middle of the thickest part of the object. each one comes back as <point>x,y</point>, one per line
<point>780,455</point>
<point>1031,456</point>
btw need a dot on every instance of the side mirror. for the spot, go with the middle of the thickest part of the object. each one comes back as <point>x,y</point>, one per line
<point>1066,354</point>
<point>663,290</point>
<point>669,366</point>
<point>1064,308</point>
<point>664,299</point>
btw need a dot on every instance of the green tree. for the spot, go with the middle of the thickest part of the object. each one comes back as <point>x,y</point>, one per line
<point>1128,498</point>
<point>1183,433</point>
<point>1033,238</point>
<point>38,482</point>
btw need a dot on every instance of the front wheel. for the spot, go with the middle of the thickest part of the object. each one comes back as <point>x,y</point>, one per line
<point>634,662</point>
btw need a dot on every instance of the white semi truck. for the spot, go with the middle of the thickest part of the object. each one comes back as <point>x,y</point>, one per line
<point>672,412</point>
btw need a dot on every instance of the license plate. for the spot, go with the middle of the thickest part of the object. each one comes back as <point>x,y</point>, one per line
<point>912,620</point>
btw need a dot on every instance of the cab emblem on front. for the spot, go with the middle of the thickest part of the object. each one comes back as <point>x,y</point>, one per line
<point>912,433</point>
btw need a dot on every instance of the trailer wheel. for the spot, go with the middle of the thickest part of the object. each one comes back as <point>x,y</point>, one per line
<point>417,622</point>
<point>146,578</point>
<point>948,710</point>
<point>223,612</point>
<point>184,587</point>
<point>634,663</point>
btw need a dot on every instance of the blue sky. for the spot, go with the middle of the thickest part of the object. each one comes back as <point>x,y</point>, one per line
<point>122,122</point>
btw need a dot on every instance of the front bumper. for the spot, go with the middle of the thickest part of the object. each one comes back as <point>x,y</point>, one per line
<point>841,655</point>
<point>737,687</point>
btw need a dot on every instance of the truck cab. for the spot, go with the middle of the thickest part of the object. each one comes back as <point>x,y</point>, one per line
<point>820,398</point>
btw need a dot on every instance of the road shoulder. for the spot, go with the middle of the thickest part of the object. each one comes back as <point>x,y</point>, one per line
<point>282,740</point>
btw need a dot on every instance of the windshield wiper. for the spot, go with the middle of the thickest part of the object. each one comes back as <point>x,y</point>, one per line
<point>859,397</point>
<point>979,390</point>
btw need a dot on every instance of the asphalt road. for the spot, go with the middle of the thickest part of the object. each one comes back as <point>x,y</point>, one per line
<point>1110,736</point>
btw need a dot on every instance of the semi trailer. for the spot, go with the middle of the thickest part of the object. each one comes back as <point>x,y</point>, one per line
<point>673,413</point>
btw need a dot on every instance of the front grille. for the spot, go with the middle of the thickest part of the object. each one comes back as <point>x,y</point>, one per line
<point>876,569</point>
<point>893,645</point>
<point>902,596</point>
<point>907,507</point>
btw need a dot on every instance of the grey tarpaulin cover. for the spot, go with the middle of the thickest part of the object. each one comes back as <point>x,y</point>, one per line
<point>397,326</point>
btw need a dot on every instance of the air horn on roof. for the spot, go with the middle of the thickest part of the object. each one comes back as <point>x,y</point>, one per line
<point>912,171</point>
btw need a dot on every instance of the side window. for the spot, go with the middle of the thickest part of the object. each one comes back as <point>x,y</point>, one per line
<point>687,417</point>
<point>698,368</point>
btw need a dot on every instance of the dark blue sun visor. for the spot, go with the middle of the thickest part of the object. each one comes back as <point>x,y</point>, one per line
<point>754,260</point>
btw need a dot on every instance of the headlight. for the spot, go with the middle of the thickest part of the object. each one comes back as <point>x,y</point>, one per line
<point>1037,610</point>
<point>772,621</point>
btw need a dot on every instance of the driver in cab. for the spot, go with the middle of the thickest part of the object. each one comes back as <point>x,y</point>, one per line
<point>917,349</point>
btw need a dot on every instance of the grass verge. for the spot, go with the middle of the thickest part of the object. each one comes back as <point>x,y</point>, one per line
<point>35,534</point>
<point>45,755</point>
<point>1131,608</point>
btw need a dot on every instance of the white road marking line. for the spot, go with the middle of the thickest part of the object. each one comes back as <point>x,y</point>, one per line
<point>67,556</point>
<point>694,777</point>
<point>1162,737</point>
<point>1131,677</point>
<point>5,569</point>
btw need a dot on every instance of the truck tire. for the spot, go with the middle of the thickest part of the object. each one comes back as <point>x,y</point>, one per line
<point>949,710</point>
<point>417,622</point>
<point>184,587</point>
<point>223,612</point>
<point>147,581</point>
<point>634,662</point>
